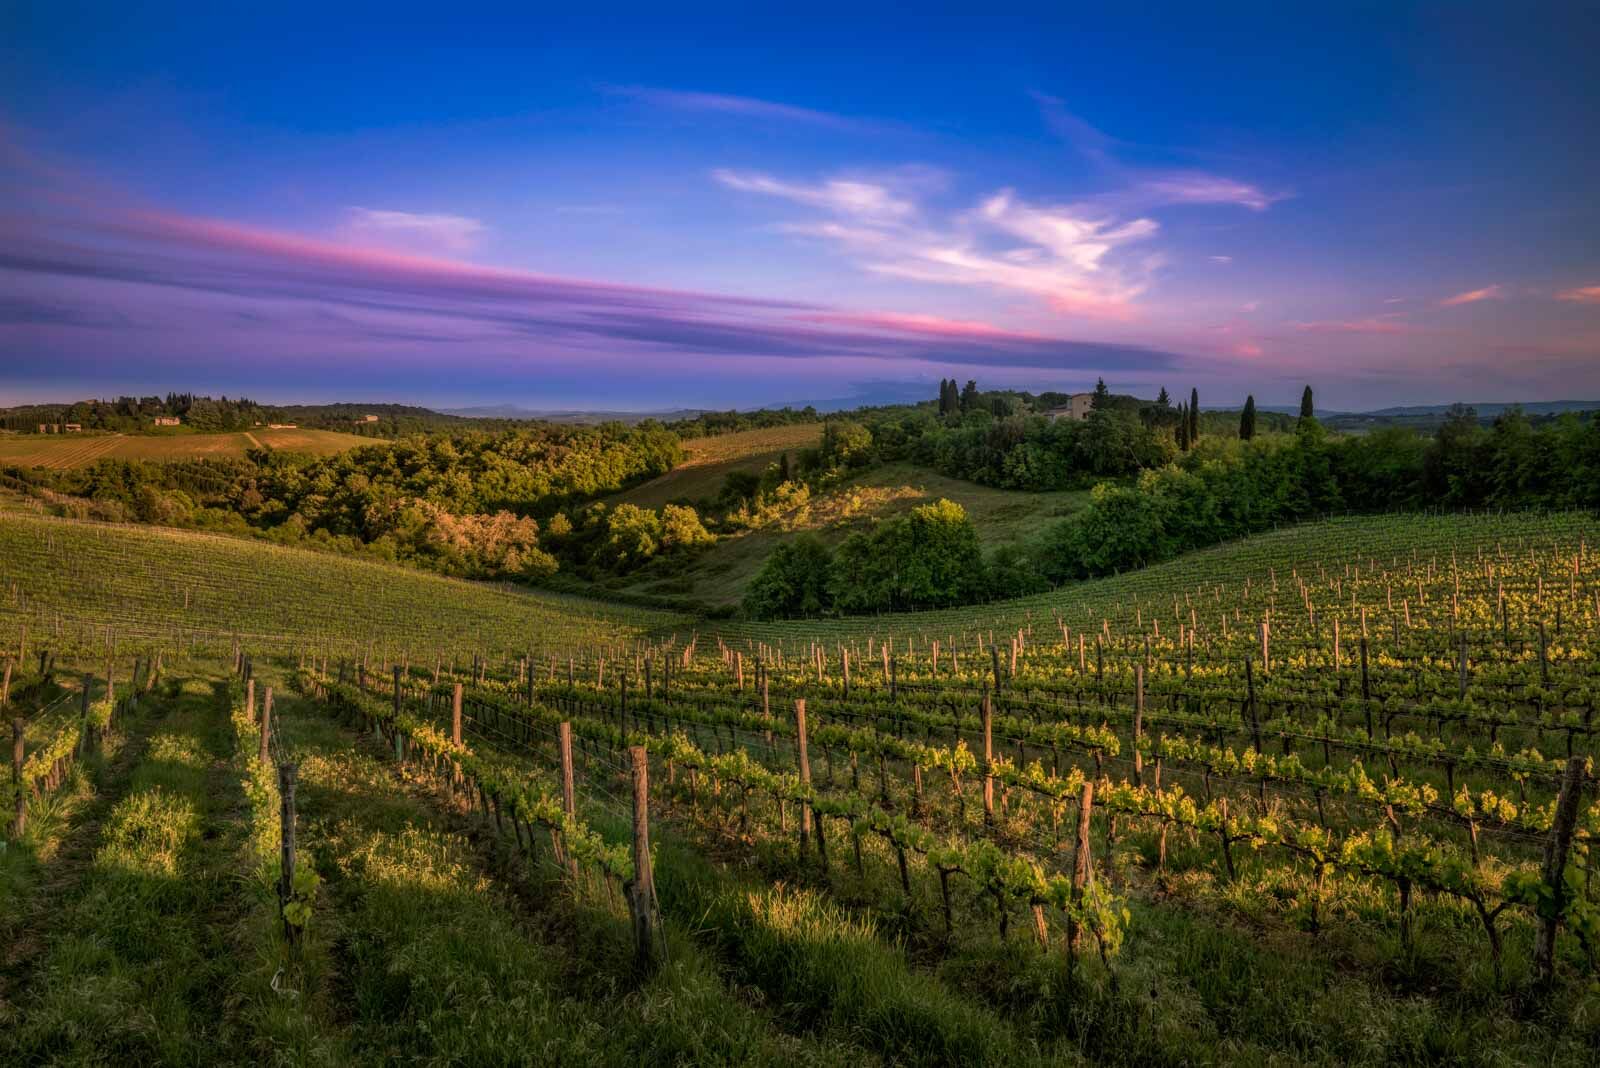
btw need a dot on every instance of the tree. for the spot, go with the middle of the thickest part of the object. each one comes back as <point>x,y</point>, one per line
<point>1183,427</point>
<point>1194,417</point>
<point>793,582</point>
<point>1163,400</point>
<point>1247,419</point>
<point>1102,395</point>
<point>1307,407</point>
<point>783,469</point>
<point>845,443</point>
<point>681,528</point>
<point>969,395</point>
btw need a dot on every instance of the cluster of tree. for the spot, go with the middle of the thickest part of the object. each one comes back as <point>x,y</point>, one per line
<point>709,424</point>
<point>1228,489</point>
<point>465,504</point>
<point>927,559</point>
<point>131,414</point>
<point>616,540</point>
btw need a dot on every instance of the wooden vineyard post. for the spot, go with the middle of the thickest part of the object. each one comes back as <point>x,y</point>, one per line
<point>893,671</point>
<point>250,700</point>
<point>846,655</point>
<point>455,714</point>
<point>5,686</point>
<point>1544,657</point>
<point>988,759</point>
<point>1138,723</point>
<point>398,696</point>
<point>266,726</point>
<point>569,802</point>
<point>1366,686</point>
<point>286,784</point>
<point>83,712</point>
<point>1250,700</point>
<point>1463,666</point>
<point>19,822</point>
<point>805,770</point>
<point>994,655</point>
<point>1554,868</point>
<point>648,688</point>
<point>1080,866</point>
<point>642,889</point>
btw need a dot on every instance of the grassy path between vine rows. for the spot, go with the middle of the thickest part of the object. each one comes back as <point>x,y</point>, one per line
<point>45,865</point>
<point>134,966</point>
<point>432,944</point>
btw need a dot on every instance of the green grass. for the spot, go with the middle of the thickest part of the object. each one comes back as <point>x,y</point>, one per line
<point>708,461</point>
<point>150,583</point>
<point>135,965</point>
<point>79,450</point>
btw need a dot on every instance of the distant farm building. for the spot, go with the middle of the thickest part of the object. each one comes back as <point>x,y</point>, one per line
<point>283,426</point>
<point>367,419</point>
<point>167,420</point>
<point>1078,406</point>
<point>71,428</point>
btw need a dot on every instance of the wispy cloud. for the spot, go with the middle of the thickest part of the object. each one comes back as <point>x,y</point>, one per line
<point>741,106</point>
<point>1220,259</point>
<point>1139,187</point>
<point>1472,296</point>
<point>453,234</point>
<point>1197,187</point>
<point>1065,254</point>
<point>867,201</point>
<point>1581,295</point>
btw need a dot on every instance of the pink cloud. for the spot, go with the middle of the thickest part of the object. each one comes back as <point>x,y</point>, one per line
<point>928,324</point>
<point>1248,348</point>
<point>1355,326</point>
<point>1472,296</point>
<point>454,234</point>
<point>1581,295</point>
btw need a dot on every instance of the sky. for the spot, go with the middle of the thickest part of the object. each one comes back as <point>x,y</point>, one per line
<point>700,207</point>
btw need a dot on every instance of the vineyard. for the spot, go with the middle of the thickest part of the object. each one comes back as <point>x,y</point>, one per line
<point>1323,796</point>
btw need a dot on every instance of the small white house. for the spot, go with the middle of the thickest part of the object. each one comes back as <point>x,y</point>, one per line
<point>1078,406</point>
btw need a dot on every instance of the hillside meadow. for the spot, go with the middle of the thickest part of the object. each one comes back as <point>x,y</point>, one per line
<point>79,450</point>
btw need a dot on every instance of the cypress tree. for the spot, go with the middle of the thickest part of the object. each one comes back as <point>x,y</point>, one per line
<point>1308,410</point>
<point>1163,400</point>
<point>968,396</point>
<point>1247,419</point>
<point>1183,428</point>
<point>1102,395</point>
<point>1194,417</point>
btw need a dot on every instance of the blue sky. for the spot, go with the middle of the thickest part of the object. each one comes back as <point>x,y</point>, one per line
<point>723,207</point>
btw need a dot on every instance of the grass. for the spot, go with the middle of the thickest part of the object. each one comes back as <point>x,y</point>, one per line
<point>710,460</point>
<point>148,583</point>
<point>135,962</point>
<point>434,946</point>
<point>79,450</point>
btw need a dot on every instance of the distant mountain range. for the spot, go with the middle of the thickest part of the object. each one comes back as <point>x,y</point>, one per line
<point>559,415</point>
